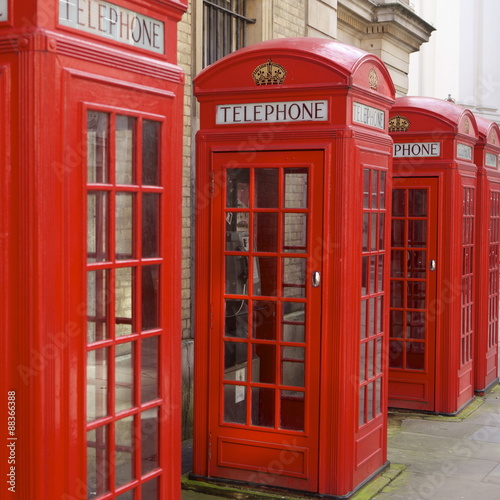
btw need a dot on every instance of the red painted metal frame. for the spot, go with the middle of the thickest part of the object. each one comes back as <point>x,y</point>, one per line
<point>45,73</point>
<point>487,256</point>
<point>316,69</point>
<point>434,120</point>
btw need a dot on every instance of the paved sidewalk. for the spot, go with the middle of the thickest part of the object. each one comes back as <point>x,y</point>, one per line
<point>443,458</point>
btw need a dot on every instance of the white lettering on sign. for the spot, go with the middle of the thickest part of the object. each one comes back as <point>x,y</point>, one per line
<point>491,160</point>
<point>373,117</point>
<point>272,112</point>
<point>464,151</point>
<point>416,149</point>
<point>4,10</point>
<point>113,22</point>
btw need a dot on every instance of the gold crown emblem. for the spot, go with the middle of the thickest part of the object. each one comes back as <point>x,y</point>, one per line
<point>269,73</point>
<point>467,126</point>
<point>399,124</point>
<point>373,79</point>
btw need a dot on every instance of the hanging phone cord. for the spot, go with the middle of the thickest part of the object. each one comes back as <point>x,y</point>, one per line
<point>241,305</point>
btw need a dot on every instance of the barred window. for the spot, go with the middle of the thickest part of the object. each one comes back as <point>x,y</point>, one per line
<point>224,28</point>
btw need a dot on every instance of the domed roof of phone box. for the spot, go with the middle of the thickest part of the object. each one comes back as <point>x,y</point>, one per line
<point>308,62</point>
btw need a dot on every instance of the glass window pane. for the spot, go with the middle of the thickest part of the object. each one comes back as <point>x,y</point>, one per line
<point>266,187</point>
<point>397,297</point>
<point>294,277</point>
<point>363,319</point>
<point>417,203</point>
<point>380,315</point>
<point>264,320</point>
<point>382,189</point>
<point>381,232</point>
<point>380,271</point>
<point>362,362</point>
<point>96,306</point>
<point>149,440</point>
<point>362,405</point>
<point>295,233</point>
<point>124,451</point>
<point>124,225</point>
<point>417,233</point>
<point>292,373</point>
<point>125,149</point>
<point>415,325</point>
<point>415,355</point>
<point>150,297</point>
<point>149,490</point>
<point>235,404</point>
<point>264,363</point>
<point>97,147</point>
<point>124,376</point>
<point>293,322</point>
<point>237,235</point>
<point>149,369</point>
<point>373,232</point>
<point>97,462</point>
<point>236,318</point>
<point>416,294</point>
<point>265,276</point>
<point>292,410</point>
<point>263,407</point>
<point>396,355</point>
<point>97,223</point>
<point>97,384</point>
<point>371,396</point>
<point>296,181</point>
<point>151,153</point>
<point>266,232</point>
<point>398,233</point>
<point>366,188</point>
<point>364,275</point>
<point>372,274</point>
<point>417,264</point>
<point>235,361</point>
<point>374,188</point>
<point>237,274</point>
<point>396,325</point>
<point>397,263</point>
<point>128,495</point>
<point>150,225</point>
<point>398,202</point>
<point>378,356</point>
<point>238,187</point>
<point>366,228</point>
<point>124,282</point>
<point>370,358</point>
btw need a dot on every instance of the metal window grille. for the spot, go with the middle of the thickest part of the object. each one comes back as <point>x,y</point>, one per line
<point>224,28</point>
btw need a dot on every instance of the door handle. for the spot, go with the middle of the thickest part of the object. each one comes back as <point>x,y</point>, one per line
<point>432,265</point>
<point>316,279</point>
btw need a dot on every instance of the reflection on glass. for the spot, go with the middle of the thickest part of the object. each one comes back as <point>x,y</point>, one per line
<point>264,320</point>
<point>149,369</point>
<point>294,277</point>
<point>370,356</point>
<point>397,263</point>
<point>266,231</point>
<point>416,294</point>
<point>265,278</point>
<point>128,495</point>
<point>292,410</point>
<point>124,225</point>
<point>97,147</point>
<point>417,264</point>
<point>266,187</point>
<point>396,325</point>
<point>149,490</point>
<point>149,440</point>
<point>96,306</point>
<point>264,363</point>
<point>374,227</point>
<point>382,189</point>
<point>375,188</point>
<point>150,297</point>
<point>373,273</point>
<point>295,233</point>
<point>97,462</point>
<point>263,407</point>
<point>396,354</point>
<point>362,405</point>
<point>125,146</point>
<point>366,229</point>
<point>380,280</point>
<point>362,362</point>
<point>151,153</point>
<point>236,318</point>
<point>124,376</point>
<point>97,384</point>
<point>415,355</point>
<point>417,203</point>
<point>293,322</point>
<point>296,187</point>
<point>237,274</point>
<point>124,450</point>
<point>363,319</point>
<point>417,233</point>
<point>378,356</point>
<point>235,404</point>
<point>150,225</point>
<point>97,216</point>
<point>397,293</point>
<point>238,187</point>
<point>366,188</point>
<point>370,394</point>
<point>124,281</point>
<point>398,202</point>
<point>235,361</point>
<point>364,275</point>
<point>415,325</point>
<point>292,373</point>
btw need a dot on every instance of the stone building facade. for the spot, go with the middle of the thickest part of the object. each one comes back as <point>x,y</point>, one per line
<point>390,29</point>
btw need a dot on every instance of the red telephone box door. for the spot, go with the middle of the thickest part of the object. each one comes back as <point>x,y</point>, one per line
<point>412,338</point>
<point>266,318</point>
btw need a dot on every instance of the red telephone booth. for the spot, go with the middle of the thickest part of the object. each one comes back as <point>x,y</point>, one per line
<point>91,102</point>
<point>487,256</point>
<point>293,167</point>
<point>432,301</point>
